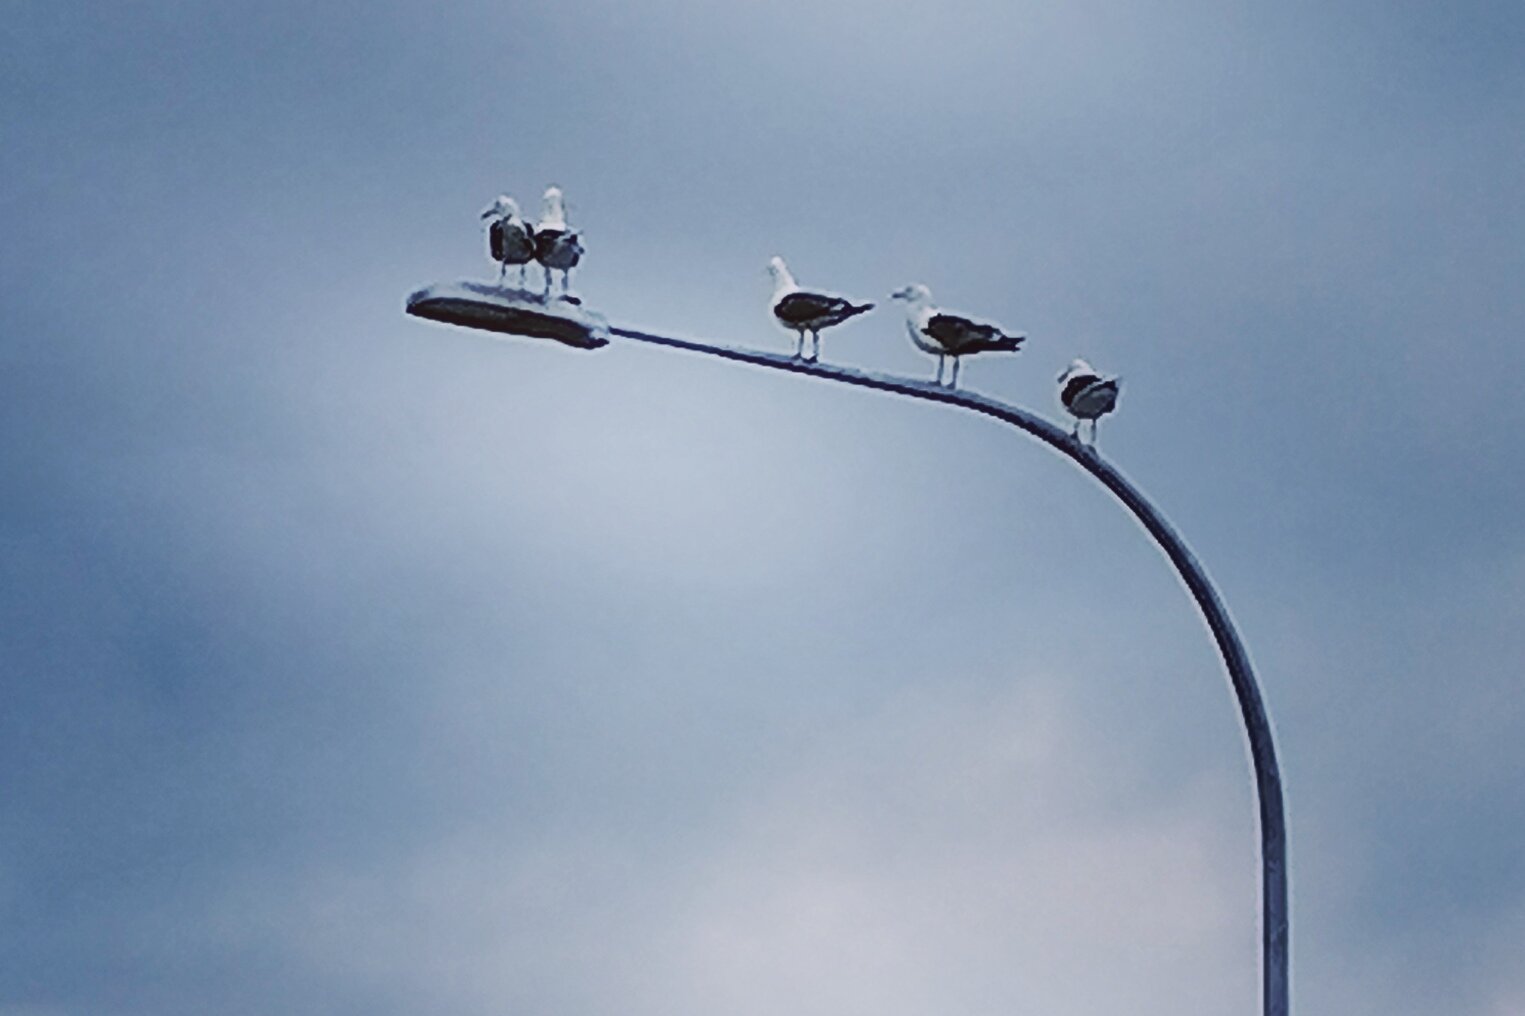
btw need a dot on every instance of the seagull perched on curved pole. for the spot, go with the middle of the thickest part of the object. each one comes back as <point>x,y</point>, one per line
<point>802,311</point>
<point>556,243</point>
<point>510,240</point>
<point>942,334</point>
<point>1087,395</point>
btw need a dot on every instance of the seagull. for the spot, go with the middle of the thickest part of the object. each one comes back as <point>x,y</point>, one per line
<point>510,240</point>
<point>944,335</point>
<point>1086,395</point>
<point>802,311</point>
<point>556,244</point>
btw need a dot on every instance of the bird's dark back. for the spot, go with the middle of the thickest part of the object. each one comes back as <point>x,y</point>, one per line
<point>1075,385</point>
<point>545,242</point>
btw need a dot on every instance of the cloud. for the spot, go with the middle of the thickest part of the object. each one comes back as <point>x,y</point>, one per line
<point>950,850</point>
<point>347,657</point>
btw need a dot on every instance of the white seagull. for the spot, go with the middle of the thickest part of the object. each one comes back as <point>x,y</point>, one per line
<point>510,240</point>
<point>943,334</point>
<point>802,311</point>
<point>1087,395</point>
<point>556,244</point>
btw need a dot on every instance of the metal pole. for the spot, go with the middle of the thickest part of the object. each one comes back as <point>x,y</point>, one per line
<point>1273,828</point>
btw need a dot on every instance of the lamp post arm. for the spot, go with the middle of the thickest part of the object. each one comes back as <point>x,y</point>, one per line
<point>1273,831</point>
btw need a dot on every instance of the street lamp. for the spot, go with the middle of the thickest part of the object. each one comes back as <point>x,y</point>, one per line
<point>511,312</point>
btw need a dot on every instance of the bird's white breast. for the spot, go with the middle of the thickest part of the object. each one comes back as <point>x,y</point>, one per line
<point>916,324</point>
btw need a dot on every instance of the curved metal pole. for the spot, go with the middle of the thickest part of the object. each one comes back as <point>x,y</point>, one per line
<point>1273,829</point>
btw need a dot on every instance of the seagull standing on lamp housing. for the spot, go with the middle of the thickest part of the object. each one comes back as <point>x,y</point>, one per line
<point>556,244</point>
<point>802,311</point>
<point>510,240</point>
<point>942,334</point>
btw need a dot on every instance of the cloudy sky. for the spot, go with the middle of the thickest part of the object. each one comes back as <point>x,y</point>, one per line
<point>353,664</point>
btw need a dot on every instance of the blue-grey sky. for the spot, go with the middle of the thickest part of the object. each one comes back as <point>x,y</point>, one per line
<point>352,664</point>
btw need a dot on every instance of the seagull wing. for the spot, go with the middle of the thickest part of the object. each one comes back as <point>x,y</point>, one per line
<point>963,335</point>
<point>955,333</point>
<point>1074,386</point>
<point>545,240</point>
<point>518,242</point>
<point>1098,398</point>
<point>496,239</point>
<point>800,308</point>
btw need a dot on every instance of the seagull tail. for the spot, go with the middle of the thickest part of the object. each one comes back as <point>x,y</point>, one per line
<point>854,309</point>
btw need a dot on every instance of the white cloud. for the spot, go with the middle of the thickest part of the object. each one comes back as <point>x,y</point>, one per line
<point>951,851</point>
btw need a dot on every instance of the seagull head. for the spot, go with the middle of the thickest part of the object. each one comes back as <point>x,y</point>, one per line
<point>1077,366</point>
<point>555,213</point>
<point>502,207</point>
<point>914,293</point>
<point>782,277</point>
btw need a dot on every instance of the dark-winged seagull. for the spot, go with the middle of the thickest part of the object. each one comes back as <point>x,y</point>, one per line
<point>510,240</point>
<point>943,334</point>
<point>1086,395</point>
<point>556,244</point>
<point>802,311</point>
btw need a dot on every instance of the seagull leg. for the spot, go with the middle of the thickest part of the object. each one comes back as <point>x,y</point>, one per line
<point>954,382</point>
<point>799,344</point>
<point>815,345</point>
<point>502,271</point>
<point>940,359</point>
